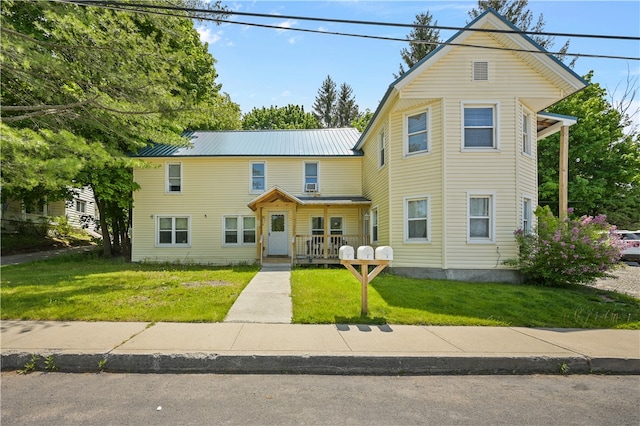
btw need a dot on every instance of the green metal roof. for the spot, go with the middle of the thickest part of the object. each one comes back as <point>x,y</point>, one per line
<point>262,143</point>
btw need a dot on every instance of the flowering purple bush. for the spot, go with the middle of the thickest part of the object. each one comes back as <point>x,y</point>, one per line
<point>572,251</point>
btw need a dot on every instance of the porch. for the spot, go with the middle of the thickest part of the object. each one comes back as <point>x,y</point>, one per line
<point>317,249</point>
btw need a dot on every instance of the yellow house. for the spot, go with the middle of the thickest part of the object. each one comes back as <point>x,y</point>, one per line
<point>444,173</point>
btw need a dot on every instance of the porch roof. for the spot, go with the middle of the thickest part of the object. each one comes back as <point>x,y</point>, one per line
<point>278,194</point>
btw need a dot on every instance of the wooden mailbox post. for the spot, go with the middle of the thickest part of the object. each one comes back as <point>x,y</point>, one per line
<point>383,257</point>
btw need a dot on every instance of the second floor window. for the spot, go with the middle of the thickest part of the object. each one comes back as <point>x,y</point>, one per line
<point>526,134</point>
<point>417,140</point>
<point>174,177</point>
<point>81,206</point>
<point>479,126</point>
<point>258,177</point>
<point>311,177</point>
<point>383,148</point>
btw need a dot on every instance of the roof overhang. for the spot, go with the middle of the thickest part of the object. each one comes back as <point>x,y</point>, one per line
<point>277,194</point>
<point>549,123</point>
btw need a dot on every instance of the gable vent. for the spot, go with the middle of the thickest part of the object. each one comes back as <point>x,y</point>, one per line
<point>480,71</point>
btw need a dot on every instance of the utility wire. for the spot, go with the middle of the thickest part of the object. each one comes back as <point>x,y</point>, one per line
<point>119,6</point>
<point>351,21</point>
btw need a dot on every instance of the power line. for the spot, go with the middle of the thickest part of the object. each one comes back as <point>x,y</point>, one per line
<point>356,22</point>
<point>119,6</point>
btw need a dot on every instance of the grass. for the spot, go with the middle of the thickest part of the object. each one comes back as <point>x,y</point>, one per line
<point>27,242</point>
<point>88,288</point>
<point>333,296</point>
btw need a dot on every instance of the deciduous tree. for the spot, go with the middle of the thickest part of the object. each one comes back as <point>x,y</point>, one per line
<point>287,117</point>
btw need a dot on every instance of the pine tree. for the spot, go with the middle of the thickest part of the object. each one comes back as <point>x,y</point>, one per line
<point>422,41</point>
<point>347,109</point>
<point>325,104</point>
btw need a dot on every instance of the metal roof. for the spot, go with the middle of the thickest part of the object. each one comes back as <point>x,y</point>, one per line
<point>254,143</point>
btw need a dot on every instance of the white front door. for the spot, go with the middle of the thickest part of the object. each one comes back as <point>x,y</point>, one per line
<point>278,235</point>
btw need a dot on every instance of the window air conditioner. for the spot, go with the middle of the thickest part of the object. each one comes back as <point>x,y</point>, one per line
<point>311,187</point>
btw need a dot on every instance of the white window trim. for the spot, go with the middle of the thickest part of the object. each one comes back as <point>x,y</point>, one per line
<point>304,175</point>
<point>405,204</point>
<point>531,215</point>
<point>157,218</point>
<point>405,131</point>
<point>311,228</point>
<point>496,125</point>
<point>529,114</point>
<point>166,177</point>
<point>257,191</point>
<point>239,230</point>
<point>81,206</point>
<point>343,231</point>
<point>492,217</point>
<point>382,150</point>
<point>377,212</point>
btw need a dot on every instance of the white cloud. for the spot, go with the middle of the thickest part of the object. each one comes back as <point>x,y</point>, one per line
<point>284,25</point>
<point>207,36</point>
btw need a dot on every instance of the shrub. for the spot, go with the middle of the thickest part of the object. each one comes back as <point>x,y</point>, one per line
<point>564,252</point>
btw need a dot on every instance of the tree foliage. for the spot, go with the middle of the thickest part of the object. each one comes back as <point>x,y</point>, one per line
<point>604,162</point>
<point>516,12</point>
<point>346,107</point>
<point>333,108</point>
<point>287,117</point>
<point>422,41</point>
<point>88,85</point>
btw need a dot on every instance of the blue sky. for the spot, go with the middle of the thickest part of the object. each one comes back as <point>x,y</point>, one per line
<point>263,67</point>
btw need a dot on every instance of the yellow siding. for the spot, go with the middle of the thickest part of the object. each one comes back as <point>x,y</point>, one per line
<point>376,179</point>
<point>215,187</point>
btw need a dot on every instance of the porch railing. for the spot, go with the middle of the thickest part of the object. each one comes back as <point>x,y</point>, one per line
<point>319,247</point>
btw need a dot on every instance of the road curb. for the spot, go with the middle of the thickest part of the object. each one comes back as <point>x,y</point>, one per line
<point>322,364</point>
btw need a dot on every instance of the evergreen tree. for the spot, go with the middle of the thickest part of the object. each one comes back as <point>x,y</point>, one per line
<point>324,107</point>
<point>346,109</point>
<point>422,41</point>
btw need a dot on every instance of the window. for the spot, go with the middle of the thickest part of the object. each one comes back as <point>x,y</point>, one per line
<point>416,133</point>
<point>480,218</point>
<point>258,177</point>
<point>174,177</point>
<point>239,230</point>
<point>416,219</point>
<point>526,134</point>
<point>479,126</point>
<point>173,231</point>
<point>336,226</point>
<point>383,148</point>
<point>310,176</point>
<point>81,206</point>
<point>374,225</point>
<point>526,215</point>
<point>317,225</point>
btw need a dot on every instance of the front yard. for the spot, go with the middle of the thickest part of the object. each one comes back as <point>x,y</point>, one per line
<point>88,288</point>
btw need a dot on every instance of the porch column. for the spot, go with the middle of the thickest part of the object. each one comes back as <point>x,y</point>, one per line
<point>564,173</point>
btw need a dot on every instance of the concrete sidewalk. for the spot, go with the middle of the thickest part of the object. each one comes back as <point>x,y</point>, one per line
<point>317,349</point>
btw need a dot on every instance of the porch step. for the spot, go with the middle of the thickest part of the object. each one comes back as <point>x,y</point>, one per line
<point>276,259</point>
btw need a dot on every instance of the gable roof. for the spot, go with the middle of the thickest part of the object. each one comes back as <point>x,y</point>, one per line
<point>263,143</point>
<point>528,50</point>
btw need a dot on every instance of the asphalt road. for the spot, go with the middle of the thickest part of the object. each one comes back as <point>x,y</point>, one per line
<point>164,399</point>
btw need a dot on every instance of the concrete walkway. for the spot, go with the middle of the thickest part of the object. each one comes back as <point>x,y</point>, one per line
<point>266,299</point>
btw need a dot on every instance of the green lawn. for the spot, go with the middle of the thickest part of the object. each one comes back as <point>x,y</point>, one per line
<point>86,287</point>
<point>83,287</point>
<point>333,296</point>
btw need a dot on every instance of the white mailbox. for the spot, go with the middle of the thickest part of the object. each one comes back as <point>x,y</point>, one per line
<point>346,253</point>
<point>384,253</point>
<point>365,253</point>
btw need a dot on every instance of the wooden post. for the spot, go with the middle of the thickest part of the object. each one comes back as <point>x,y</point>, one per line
<point>364,276</point>
<point>564,173</point>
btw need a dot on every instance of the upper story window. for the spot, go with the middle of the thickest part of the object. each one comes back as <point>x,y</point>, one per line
<point>416,133</point>
<point>526,133</point>
<point>481,218</point>
<point>258,176</point>
<point>81,206</point>
<point>416,219</point>
<point>479,126</point>
<point>311,180</point>
<point>382,150</point>
<point>174,177</point>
